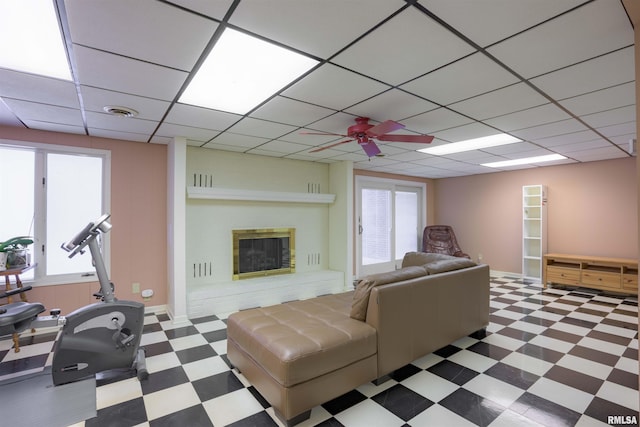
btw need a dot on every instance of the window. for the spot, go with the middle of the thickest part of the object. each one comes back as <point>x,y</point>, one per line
<point>390,217</point>
<point>53,192</point>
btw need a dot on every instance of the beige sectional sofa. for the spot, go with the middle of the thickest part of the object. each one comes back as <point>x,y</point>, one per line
<point>304,353</point>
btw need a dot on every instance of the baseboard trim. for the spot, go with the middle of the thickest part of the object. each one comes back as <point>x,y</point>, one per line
<point>155,309</point>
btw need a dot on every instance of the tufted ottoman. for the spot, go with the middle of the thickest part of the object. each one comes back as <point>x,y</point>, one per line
<point>303,353</point>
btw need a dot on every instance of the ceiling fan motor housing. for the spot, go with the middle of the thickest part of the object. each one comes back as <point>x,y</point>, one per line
<point>358,131</point>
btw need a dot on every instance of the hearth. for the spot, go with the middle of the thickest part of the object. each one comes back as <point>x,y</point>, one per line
<point>263,252</point>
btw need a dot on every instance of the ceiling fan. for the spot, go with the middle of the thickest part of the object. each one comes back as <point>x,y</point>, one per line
<point>364,133</point>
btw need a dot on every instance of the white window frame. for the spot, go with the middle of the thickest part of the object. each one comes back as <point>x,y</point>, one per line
<point>40,222</point>
<point>363,181</point>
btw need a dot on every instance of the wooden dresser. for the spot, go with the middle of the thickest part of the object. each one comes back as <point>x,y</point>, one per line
<point>609,274</point>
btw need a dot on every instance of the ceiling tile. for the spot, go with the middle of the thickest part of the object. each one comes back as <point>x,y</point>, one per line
<point>199,117</point>
<point>435,121</point>
<point>215,9</point>
<point>549,129</point>
<point>7,118</point>
<point>617,130</point>
<point>173,38</point>
<point>299,137</point>
<point>622,140</point>
<point>244,142</point>
<point>113,72</point>
<point>192,133</point>
<point>55,127</point>
<point>605,99</point>
<point>351,157</point>
<point>333,87</point>
<point>534,152</point>
<point>500,102</point>
<point>602,153</point>
<point>567,138</point>
<point>263,128</point>
<point>45,113</point>
<point>591,30</point>
<point>95,99</point>
<point>542,114</point>
<point>279,109</point>
<point>390,150</point>
<point>408,156</point>
<point>407,46</point>
<point>468,131</point>
<point>115,134</point>
<point>116,123</point>
<point>284,147</point>
<point>405,147</point>
<point>599,73</point>
<point>335,123</point>
<point>40,89</point>
<point>320,28</point>
<point>463,79</point>
<point>511,149</point>
<point>489,21</point>
<point>611,117</point>
<point>568,149</point>
<point>393,104</point>
<point>225,147</point>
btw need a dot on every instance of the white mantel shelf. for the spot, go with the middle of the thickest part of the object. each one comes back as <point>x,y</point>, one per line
<point>216,193</point>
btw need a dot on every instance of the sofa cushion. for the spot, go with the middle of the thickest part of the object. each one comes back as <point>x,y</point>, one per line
<point>422,258</point>
<point>301,340</point>
<point>443,265</point>
<point>363,288</point>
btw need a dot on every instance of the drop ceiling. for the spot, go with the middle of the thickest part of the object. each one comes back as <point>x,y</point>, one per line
<point>557,74</point>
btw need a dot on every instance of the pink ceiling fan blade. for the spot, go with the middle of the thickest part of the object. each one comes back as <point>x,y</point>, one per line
<point>329,146</point>
<point>370,148</point>
<point>384,127</point>
<point>420,139</point>
<point>323,133</point>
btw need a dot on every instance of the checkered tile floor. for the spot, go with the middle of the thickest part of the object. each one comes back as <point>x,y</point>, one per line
<point>552,357</point>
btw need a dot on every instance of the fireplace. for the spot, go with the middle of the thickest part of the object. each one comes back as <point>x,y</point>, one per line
<point>263,252</point>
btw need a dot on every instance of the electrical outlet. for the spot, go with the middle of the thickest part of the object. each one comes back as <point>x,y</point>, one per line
<point>480,257</point>
<point>135,288</point>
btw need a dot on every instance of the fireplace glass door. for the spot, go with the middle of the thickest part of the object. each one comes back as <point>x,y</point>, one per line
<point>263,252</point>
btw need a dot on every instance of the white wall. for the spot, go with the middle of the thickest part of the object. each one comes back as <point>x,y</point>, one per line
<point>209,222</point>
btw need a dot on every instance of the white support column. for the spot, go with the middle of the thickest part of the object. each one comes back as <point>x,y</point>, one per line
<point>341,220</point>
<point>176,229</point>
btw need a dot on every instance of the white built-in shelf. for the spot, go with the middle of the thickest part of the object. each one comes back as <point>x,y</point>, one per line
<point>216,193</point>
<point>534,230</point>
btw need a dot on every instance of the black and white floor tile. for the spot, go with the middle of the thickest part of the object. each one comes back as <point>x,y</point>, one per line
<point>551,357</point>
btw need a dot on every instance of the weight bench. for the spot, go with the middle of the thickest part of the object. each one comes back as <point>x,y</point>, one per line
<point>17,316</point>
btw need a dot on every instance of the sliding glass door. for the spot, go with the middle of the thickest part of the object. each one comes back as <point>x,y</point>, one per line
<point>390,219</point>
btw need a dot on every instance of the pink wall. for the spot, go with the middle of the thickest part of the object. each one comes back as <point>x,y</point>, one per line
<point>592,210</point>
<point>138,216</point>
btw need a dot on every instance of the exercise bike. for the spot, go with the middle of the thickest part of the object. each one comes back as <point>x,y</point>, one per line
<point>101,338</point>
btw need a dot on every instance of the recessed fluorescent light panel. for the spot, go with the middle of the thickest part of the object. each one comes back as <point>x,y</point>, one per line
<point>525,161</point>
<point>31,39</point>
<point>471,144</point>
<point>242,71</point>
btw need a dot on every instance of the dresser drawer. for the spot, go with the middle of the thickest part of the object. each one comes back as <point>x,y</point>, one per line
<point>630,281</point>
<point>563,276</point>
<point>601,278</point>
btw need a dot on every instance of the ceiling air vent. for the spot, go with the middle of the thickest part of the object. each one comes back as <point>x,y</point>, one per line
<point>120,111</point>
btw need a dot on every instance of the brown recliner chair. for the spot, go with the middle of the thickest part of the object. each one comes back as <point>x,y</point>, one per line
<point>441,239</point>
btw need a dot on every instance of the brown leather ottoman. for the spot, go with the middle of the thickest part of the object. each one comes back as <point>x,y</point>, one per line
<point>303,353</point>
